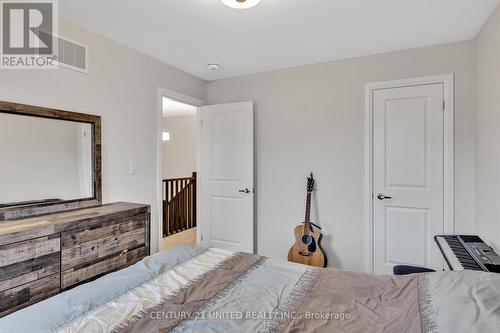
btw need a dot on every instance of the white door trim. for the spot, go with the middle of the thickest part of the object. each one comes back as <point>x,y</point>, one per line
<point>449,153</point>
<point>157,225</point>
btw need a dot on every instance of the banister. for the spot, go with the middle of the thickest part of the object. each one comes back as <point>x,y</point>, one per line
<point>179,204</point>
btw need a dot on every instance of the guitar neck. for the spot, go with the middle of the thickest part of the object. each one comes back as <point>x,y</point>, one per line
<point>307,220</point>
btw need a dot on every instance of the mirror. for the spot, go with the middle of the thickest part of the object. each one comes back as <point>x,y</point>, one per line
<point>49,160</point>
<point>44,160</point>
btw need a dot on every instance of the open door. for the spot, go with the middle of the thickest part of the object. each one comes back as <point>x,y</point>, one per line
<point>227,176</point>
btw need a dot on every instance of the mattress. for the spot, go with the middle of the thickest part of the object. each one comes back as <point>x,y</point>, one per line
<point>199,289</point>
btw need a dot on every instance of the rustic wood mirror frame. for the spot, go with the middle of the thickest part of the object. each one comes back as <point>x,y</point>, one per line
<point>32,209</point>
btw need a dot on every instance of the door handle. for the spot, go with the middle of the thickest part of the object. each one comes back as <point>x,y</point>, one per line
<point>244,191</point>
<point>380,196</point>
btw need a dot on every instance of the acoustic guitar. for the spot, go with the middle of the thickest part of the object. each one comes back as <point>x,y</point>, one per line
<point>307,249</point>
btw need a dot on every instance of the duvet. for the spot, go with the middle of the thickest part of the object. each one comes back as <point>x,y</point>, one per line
<point>212,290</point>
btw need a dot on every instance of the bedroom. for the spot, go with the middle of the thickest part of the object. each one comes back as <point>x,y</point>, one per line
<point>307,67</point>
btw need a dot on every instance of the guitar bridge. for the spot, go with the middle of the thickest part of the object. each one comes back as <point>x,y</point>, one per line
<point>305,254</point>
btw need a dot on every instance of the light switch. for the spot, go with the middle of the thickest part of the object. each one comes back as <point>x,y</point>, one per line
<point>133,167</point>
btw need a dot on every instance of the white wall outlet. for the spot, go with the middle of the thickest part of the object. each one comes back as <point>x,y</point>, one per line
<point>133,167</point>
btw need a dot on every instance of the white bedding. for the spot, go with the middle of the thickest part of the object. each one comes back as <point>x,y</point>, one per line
<point>130,300</point>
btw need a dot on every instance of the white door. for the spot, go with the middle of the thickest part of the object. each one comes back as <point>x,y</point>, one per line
<point>408,176</point>
<point>227,176</point>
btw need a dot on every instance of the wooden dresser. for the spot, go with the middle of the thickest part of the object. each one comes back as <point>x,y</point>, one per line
<point>43,255</point>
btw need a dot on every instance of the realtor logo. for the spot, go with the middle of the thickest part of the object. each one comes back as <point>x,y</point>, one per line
<point>28,30</point>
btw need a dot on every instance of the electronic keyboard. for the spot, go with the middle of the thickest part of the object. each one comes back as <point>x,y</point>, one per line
<point>468,253</point>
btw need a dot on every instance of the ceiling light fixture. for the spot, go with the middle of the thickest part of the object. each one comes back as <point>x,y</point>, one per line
<point>241,4</point>
<point>213,66</point>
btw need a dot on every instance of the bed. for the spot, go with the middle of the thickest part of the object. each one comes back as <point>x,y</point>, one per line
<point>199,289</point>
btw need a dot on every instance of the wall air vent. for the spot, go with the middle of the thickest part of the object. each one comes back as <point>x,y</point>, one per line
<point>72,55</point>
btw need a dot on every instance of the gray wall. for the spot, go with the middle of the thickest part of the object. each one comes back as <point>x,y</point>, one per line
<point>312,118</point>
<point>488,131</point>
<point>179,154</point>
<point>121,87</point>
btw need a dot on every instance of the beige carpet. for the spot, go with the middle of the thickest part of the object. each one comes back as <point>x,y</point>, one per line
<point>187,237</point>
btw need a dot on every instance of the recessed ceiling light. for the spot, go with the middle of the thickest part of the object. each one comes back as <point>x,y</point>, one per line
<point>241,4</point>
<point>213,66</point>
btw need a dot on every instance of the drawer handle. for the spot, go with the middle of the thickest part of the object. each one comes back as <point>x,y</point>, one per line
<point>124,252</point>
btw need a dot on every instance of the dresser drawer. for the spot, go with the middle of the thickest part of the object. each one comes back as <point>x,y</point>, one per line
<point>28,261</point>
<point>99,242</point>
<point>42,255</point>
<point>75,276</point>
<point>21,296</point>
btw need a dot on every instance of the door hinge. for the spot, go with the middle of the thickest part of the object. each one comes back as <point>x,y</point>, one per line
<point>444,105</point>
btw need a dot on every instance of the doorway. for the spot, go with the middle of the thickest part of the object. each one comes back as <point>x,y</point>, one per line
<point>409,171</point>
<point>216,200</point>
<point>178,172</point>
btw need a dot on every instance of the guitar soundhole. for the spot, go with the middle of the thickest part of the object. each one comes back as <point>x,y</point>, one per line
<point>307,240</point>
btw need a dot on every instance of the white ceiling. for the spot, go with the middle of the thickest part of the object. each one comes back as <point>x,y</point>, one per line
<point>276,34</point>
<point>173,108</point>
